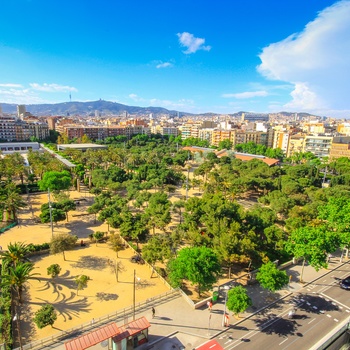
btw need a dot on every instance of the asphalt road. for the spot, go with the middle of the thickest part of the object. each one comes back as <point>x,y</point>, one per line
<point>320,307</point>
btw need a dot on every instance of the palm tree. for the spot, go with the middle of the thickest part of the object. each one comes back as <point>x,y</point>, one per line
<point>15,254</point>
<point>11,200</point>
<point>17,276</point>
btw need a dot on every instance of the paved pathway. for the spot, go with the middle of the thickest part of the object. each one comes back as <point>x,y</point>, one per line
<point>177,325</point>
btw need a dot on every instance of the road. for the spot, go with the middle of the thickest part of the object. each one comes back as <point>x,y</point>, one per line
<point>320,306</point>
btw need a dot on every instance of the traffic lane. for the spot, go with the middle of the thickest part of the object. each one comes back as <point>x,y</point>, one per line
<point>331,279</point>
<point>314,318</point>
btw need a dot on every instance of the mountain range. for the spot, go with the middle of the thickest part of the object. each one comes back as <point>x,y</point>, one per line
<point>104,108</point>
<point>85,108</point>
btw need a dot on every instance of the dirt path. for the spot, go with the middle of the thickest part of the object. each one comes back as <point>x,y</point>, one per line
<point>103,294</point>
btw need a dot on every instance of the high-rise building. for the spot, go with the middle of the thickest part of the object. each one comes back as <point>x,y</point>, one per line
<point>21,111</point>
<point>0,111</point>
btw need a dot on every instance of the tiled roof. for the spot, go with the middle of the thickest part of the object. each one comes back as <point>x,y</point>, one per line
<point>90,339</point>
<point>132,328</point>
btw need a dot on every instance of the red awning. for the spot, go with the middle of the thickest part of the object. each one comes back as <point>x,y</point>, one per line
<point>132,328</point>
<point>90,339</point>
<point>210,345</point>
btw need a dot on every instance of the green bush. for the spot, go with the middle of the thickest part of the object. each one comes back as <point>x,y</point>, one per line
<point>5,313</point>
<point>161,271</point>
<point>38,247</point>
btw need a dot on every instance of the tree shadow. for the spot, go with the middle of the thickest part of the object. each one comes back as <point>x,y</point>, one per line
<point>141,284</point>
<point>91,263</point>
<point>308,303</point>
<point>277,325</point>
<point>67,307</point>
<point>101,296</point>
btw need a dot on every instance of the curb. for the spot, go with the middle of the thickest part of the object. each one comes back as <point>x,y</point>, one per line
<point>255,312</point>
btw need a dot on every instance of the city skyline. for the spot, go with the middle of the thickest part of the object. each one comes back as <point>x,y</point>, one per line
<point>221,58</point>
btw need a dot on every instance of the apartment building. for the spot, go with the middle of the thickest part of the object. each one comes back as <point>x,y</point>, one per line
<point>206,134</point>
<point>101,132</point>
<point>241,136</point>
<point>313,128</point>
<point>220,135</point>
<point>344,129</point>
<point>281,140</point>
<point>320,146</point>
<point>7,129</point>
<point>340,148</point>
<point>296,144</point>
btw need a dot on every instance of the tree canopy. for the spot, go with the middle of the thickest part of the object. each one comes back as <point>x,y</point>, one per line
<point>199,265</point>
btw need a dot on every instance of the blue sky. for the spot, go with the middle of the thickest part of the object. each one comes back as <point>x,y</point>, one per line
<point>198,56</point>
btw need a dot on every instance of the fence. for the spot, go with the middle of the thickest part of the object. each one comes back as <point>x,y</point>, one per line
<point>119,315</point>
<point>13,224</point>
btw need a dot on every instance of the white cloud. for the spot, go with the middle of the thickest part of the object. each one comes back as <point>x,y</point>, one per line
<point>192,43</point>
<point>164,65</point>
<point>314,61</point>
<point>247,94</point>
<point>52,87</point>
<point>182,103</point>
<point>19,96</point>
<point>11,85</point>
<point>136,98</point>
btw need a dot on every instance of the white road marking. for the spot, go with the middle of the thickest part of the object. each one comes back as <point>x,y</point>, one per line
<point>283,341</point>
<point>335,301</point>
<point>336,320</point>
<point>328,315</point>
<point>312,320</point>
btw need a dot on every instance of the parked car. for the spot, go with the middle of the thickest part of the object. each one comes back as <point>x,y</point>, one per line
<point>345,283</point>
<point>137,259</point>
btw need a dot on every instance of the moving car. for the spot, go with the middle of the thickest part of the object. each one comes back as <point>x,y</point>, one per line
<point>345,283</point>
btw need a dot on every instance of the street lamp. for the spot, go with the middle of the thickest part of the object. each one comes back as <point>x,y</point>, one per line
<point>224,315</point>
<point>50,208</point>
<point>134,295</point>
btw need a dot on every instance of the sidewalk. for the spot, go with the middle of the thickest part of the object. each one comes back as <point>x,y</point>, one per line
<point>177,325</point>
<point>182,327</point>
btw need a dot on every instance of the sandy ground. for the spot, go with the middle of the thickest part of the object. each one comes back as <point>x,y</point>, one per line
<point>103,294</point>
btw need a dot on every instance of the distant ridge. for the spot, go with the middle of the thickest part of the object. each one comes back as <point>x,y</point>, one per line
<point>107,108</point>
<point>85,108</point>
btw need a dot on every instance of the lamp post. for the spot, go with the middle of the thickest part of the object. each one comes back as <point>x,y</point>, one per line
<point>134,295</point>
<point>224,315</point>
<point>50,208</point>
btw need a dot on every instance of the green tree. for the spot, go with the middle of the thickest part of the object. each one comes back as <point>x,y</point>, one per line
<point>55,181</point>
<point>11,201</point>
<point>115,242</point>
<point>98,235</point>
<point>225,144</point>
<point>271,278</point>
<point>62,242</point>
<point>16,253</point>
<point>199,265</point>
<point>54,270</point>
<point>57,214</point>
<point>312,243</point>
<point>45,316</point>
<point>17,276</point>
<point>336,215</point>
<point>81,282</point>
<point>238,300</point>
<point>157,249</point>
<point>67,205</point>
